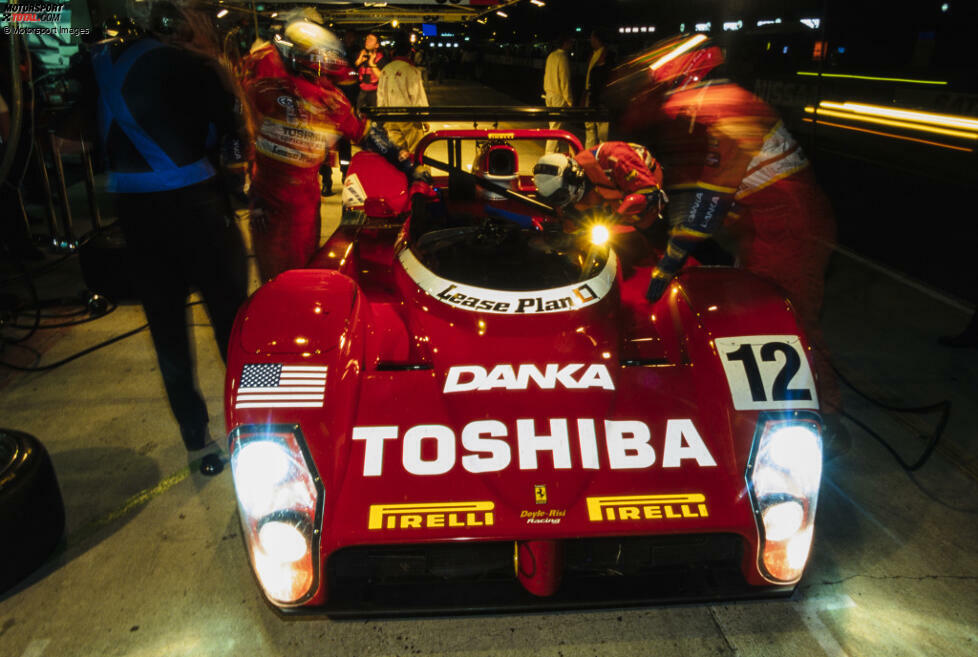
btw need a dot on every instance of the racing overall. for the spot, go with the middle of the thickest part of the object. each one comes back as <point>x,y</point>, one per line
<point>297,122</point>
<point>616,169</point>
<point>160,112</point>
<point>731,163</point>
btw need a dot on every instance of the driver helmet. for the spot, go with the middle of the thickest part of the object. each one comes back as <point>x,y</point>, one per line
<point>311,48</point>
<point>559,179</point>
<point>498,163</point>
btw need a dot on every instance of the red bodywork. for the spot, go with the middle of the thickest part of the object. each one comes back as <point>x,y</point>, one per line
<point>389,347</point>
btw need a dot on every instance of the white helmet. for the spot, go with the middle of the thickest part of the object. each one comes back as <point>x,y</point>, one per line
<point>559,179</point>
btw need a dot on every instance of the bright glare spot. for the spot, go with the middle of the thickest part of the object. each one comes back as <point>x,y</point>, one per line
<point>282,541</point>
<point>712,308</point>
<point>945,7</point>
<point>732,26</point>
<point>606,355</point>
<point>782,520</point>
<point>798,549</point>
<point>302,341</point>
<point>795,448</point>
<point>260,465</point>
<point>318,310</point>
<point>395,23</point>
<point>222,13</point>
<point>600,235</point>
<point>811,22</point>
<point>502,14</point>
<point>282,581</point>
<point>703,27</point>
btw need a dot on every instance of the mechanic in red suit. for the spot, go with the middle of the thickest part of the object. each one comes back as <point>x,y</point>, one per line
<point>623,178</point>
<point>731,164</point>
<point>299,114</point>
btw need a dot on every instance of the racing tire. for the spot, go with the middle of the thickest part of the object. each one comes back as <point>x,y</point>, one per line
<point>32,513</point>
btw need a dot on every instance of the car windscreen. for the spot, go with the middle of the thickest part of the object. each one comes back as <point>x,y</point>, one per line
<point>490,246</point>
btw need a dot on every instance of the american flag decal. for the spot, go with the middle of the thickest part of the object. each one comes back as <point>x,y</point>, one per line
<point>274,385</point>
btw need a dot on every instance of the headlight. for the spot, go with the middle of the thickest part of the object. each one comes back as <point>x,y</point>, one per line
<point>280,501</point>
<point>784,476</point>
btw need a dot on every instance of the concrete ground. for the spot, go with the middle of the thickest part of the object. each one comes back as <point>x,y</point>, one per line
<point>153,562</point>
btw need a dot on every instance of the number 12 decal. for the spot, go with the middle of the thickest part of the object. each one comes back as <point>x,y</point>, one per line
<point>767,372</point>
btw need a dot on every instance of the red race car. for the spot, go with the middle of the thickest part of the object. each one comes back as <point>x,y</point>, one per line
<point>465,405</point>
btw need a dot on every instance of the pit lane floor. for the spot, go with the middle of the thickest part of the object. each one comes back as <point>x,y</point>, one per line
<point>153,562</point>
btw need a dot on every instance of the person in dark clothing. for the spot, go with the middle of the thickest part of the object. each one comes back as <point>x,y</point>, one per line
<point>163,115</point>
<point>598,72</point>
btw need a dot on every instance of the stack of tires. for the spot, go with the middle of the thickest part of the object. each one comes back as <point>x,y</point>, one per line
<point>32,514</point>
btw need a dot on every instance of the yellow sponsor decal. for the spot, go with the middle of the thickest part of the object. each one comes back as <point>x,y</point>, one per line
<point>501,135</point>
<point>540,494</point>
<point>647,507</point>
<point>543,516</point>
<point>431,516</point>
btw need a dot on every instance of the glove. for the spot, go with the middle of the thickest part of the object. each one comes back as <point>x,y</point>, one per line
<point>421,174</point>
<point>657,286</point>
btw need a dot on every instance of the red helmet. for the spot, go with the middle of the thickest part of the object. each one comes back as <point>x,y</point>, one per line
<point>637,85</point>
<point>683,60</point>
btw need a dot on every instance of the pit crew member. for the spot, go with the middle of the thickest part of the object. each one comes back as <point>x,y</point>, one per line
<point>299,115</point>
<point>621,177</point>
<point>730,163</point>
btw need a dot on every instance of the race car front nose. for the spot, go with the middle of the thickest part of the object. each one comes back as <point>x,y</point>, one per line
<point>784,474</point>
<point>279,495</point>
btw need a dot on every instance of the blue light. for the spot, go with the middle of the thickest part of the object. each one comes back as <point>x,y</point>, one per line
<point>841,50</point>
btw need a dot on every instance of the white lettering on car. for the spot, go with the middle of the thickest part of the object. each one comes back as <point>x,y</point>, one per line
<point>628,446</point>
<point>467,378</point>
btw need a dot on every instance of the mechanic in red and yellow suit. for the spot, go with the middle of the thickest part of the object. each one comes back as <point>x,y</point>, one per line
<point>730,164</point>
<point>620,177</point>
<point>299,115</point>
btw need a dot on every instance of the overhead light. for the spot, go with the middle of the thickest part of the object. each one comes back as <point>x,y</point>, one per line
<point>732,26</point>
<point>540,3</point>
<point>395,23</point>
<point>502,14</point>
<point>222,13</point>
<point>811,22</point>
<point>274,14</point>
<point>703,27</point>
<point>771,21</point>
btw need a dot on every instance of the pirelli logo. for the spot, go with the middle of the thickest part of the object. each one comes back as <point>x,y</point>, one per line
<point>431,516</point>
<point>647,507</point>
